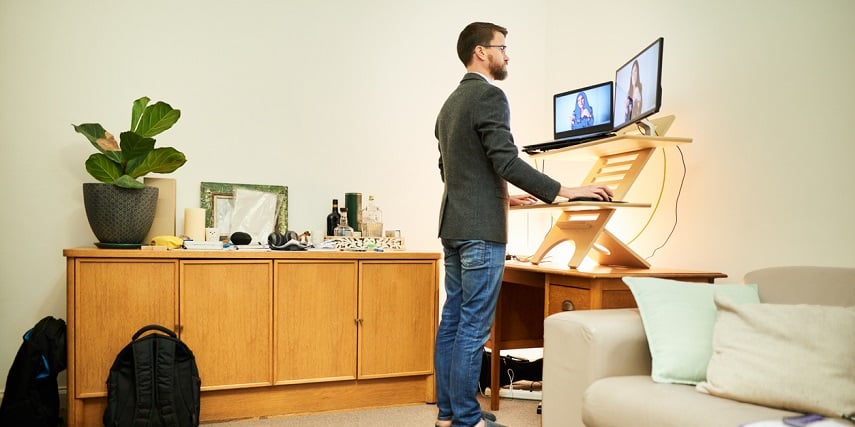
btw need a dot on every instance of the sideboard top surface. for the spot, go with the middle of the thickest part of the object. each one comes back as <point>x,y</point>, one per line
<point>238,254</point>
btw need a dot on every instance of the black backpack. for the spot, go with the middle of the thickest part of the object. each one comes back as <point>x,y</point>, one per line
<point>154,381</point>
<point>31,397</point>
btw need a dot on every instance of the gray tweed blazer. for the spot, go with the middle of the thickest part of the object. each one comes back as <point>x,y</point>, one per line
<point>477,158</point>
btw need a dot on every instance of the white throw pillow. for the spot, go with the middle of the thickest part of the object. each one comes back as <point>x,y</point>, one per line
<point>795,357</point>
<point>678,320</point>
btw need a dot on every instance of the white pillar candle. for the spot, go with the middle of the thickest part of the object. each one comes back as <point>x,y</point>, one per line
<point>194,223</point>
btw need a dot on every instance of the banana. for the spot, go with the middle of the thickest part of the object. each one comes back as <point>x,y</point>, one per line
<point>171,242</point>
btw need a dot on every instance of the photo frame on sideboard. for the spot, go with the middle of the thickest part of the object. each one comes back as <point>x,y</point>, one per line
<point>217,200</point>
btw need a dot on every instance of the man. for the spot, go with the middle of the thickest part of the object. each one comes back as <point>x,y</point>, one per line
<point>477,159</point>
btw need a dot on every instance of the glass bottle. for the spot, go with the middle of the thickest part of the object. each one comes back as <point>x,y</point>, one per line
<point>333,218</point>
<point>372,220</point>
<point>343,229</point>
<point>353,203</point>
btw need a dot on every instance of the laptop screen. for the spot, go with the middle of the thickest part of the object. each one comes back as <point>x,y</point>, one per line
<point>582,112</point>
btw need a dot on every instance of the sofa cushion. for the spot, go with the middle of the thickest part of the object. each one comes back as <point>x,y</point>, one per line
<point>678,320</point>
<point>797,357</point>
<point>637,401</point>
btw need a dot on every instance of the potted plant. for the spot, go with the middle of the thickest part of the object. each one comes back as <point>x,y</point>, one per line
<point>121,209</point>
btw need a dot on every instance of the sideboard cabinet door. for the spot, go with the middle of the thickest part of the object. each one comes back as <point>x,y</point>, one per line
<point>397,318</point>
<point>315,321</point>
<point>226,311</point>
<point>113,298</point>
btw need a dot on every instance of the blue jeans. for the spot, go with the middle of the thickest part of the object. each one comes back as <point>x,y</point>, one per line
<point>473,277</point>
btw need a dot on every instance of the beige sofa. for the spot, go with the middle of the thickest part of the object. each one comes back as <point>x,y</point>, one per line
<point>597,363</point>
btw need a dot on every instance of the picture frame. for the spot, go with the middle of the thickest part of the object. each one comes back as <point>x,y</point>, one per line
<point>216,198</point>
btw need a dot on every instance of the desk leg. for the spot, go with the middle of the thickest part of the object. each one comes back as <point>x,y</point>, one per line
<point>495,359</point>
<point>495,366</point>
<point>518,322</point>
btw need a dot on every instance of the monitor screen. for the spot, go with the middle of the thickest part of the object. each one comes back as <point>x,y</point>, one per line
<point>583,111</point>
<point>638,86</point>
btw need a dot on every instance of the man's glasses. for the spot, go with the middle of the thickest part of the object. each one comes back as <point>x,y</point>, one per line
<point>501,47</point>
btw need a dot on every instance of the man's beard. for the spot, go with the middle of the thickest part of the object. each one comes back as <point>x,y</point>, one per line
<point>498,70</point>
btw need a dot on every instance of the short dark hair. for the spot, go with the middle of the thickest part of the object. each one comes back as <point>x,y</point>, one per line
<point>476,34</point>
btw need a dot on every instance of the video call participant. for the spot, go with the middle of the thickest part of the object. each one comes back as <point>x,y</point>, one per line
<point>583,113</point>
<point>633,94</point>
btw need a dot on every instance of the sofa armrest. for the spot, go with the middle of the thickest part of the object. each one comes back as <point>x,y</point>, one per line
<point>580,347</point>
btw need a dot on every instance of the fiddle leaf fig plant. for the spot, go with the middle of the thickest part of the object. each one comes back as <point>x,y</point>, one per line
<point>134,155</point>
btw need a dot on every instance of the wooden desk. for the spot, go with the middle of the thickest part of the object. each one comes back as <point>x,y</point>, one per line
<point>532,292</point>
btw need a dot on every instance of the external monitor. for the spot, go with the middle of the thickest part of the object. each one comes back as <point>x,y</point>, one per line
<point>638,87</point>
<point>584,111</point>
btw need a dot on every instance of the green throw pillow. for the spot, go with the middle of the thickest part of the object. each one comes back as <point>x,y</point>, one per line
<point>678,319</point>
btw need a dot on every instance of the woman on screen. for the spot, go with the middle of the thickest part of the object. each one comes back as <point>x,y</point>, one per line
<point>633,95</point>
<point>583,114</point>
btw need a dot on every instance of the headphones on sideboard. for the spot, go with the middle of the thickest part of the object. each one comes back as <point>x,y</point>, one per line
<point>287,241</point>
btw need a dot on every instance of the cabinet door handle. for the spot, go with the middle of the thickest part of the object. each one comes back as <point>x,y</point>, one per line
<point>568,305</point>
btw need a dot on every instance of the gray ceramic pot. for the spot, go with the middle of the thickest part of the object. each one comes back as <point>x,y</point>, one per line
<point>119,215</point>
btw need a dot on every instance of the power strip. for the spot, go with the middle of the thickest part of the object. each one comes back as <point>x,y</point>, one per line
<point>517,394</point>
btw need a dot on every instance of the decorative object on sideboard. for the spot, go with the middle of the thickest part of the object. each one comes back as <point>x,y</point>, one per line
<point>343,229</point>
<point>352,243</point>
<point>353,203</point>
<point>218,198</point>
<point>333,218</point>
<point>194,224</point>
<point>372,220</point>
<point>240,238</point>
<point>121,209</point>
<point>165,215</point>
<point>119,217</point>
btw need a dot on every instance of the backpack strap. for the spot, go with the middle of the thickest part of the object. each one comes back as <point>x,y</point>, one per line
<point>154,366</point>
<point>143,373</point>
<point>165,384</point>
<point>158,328</point>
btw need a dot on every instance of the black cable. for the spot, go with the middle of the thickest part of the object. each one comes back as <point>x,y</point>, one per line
<point>676,205</point>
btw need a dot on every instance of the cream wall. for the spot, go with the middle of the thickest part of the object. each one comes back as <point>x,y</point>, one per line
<point>328,98</point>
<point>764,89</point>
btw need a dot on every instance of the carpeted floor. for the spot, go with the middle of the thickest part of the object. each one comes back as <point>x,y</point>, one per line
<point>511,413</point>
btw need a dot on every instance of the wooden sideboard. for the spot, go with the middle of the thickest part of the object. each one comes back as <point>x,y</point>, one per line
<point>274,333</point>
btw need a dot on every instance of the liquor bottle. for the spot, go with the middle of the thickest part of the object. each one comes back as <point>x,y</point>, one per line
<point>333,218</point>
<point>372,220</point>
<point>343,229</point>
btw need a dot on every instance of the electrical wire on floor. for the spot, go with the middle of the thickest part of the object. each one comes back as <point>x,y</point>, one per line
<point>511,377</point>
